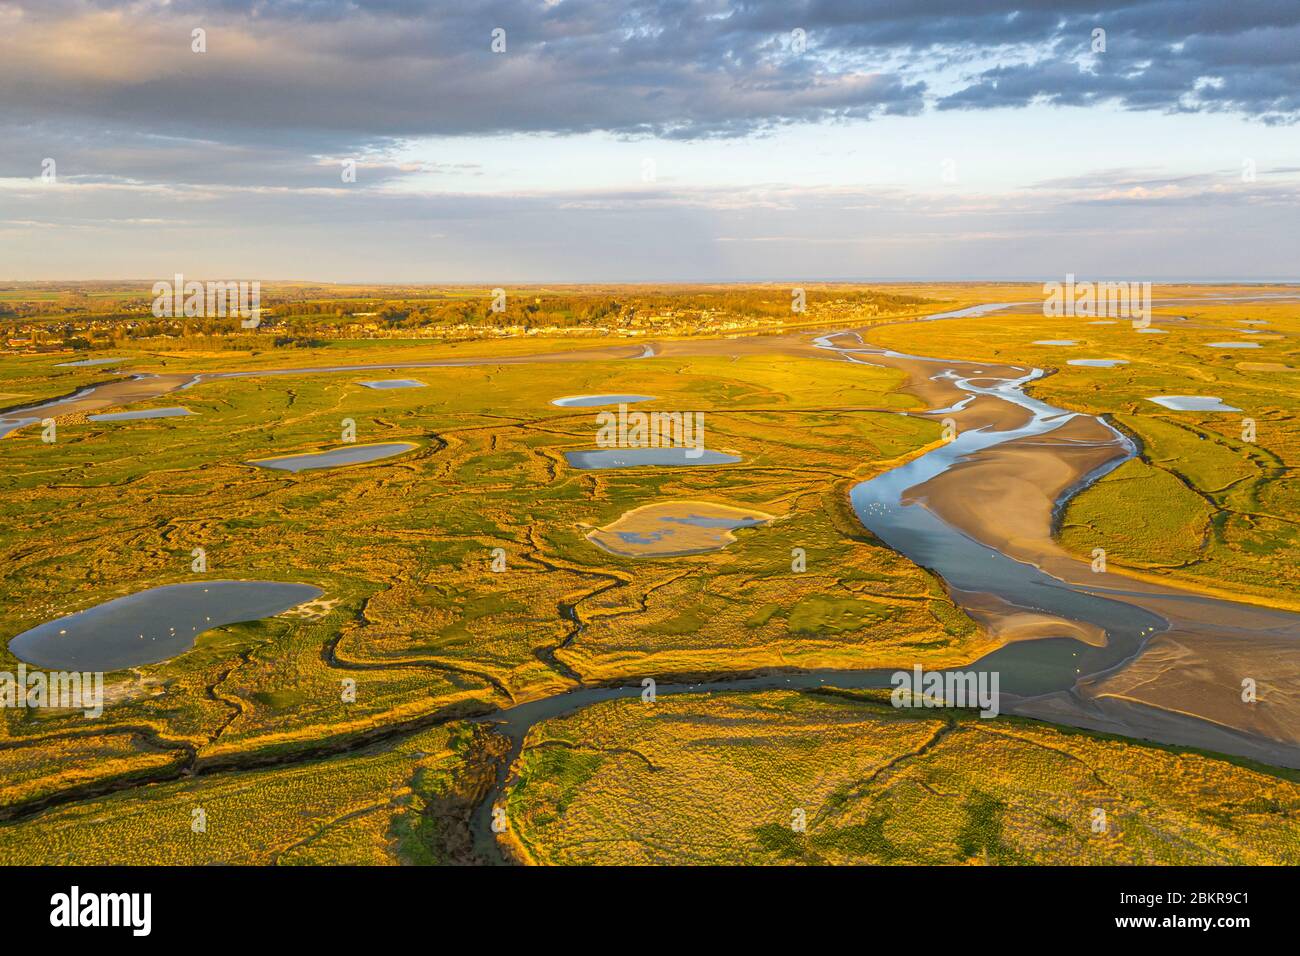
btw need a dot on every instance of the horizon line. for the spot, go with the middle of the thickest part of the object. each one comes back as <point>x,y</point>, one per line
<point>846,280</point>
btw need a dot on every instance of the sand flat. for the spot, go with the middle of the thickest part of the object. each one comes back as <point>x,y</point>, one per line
<point>672,528</point>
<point>1027,476</point>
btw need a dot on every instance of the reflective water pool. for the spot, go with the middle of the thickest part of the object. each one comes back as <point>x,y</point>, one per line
<point>153,625</point>
<point>335,457</point>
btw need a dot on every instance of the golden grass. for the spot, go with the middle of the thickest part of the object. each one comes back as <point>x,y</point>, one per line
<point>720,778</point>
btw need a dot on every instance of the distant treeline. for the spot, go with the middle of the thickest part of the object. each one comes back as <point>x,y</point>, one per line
<point>573,309</point>
<point>299,311</point>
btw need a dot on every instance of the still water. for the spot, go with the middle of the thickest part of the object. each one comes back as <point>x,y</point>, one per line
<point>153,625</point>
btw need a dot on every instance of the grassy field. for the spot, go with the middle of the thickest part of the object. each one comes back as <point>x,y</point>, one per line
<point>726,778</point>
<point>412,610</point>
<point>400,802</point>
<point>252,727</point>
<point>778,777</point>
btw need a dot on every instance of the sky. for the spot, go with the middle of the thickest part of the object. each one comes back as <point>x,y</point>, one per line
<point>515,141</point>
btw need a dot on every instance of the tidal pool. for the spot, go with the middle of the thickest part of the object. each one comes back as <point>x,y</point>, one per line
<point>335,457</point>
<point>1098,363</point>
<point>84,362</point>
<point>395,383</point>
<point>641,457</point>
<point>1193,403</point>
<point>1233,345</point>
<point>8,425</point>
<point>177,412</point>
<point>672,528</point>
<point>153,625</point>
<point>587,401</point>
<point>1152,332</point>
<point>1056,342</point>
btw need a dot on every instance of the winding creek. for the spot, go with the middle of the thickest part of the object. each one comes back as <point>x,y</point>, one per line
<point>1041,675</point>
<point>1026,668</point>
<point>1030,670</point>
